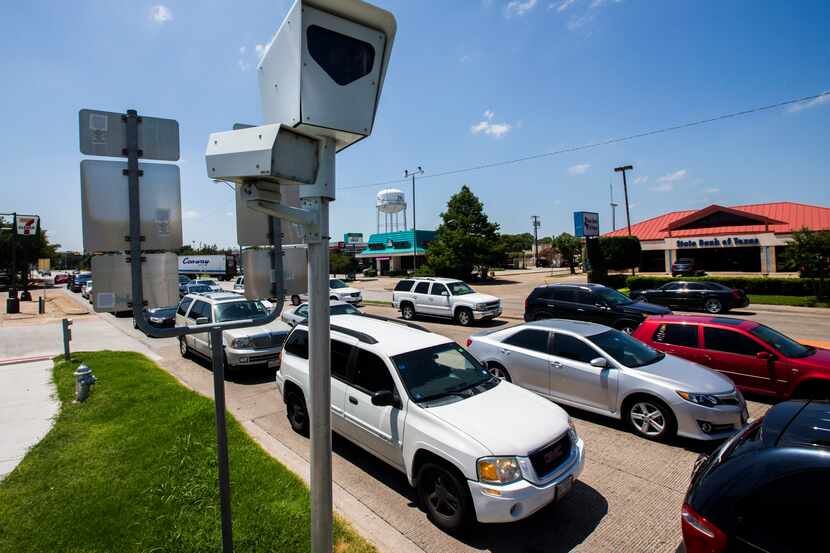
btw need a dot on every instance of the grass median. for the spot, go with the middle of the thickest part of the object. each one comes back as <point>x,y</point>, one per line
<point>134,469</point>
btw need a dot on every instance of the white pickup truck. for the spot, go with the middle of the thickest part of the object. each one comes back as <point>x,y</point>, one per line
<point>444,297</point>
<point>474,447</point>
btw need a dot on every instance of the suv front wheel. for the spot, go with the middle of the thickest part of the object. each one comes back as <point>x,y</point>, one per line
<point>464,316</point>
<point>297,413</point>
<point>445,497</point>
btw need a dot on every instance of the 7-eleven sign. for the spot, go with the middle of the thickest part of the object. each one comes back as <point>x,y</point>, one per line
<point>27,224</point>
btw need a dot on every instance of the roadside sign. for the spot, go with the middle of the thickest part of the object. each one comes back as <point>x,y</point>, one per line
<point>44,264</point>
<point>112,291</point>
<point>105,206</point>
<point>586,224</point>
<point>104,133</point>
<point>27,225</point>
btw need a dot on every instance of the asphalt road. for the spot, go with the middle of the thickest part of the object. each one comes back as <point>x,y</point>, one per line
<point>628,498</point>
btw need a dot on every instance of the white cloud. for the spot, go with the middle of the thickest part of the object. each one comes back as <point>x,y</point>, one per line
<point>190,214</point>
<point>563,5</point>
<point>496,130</point>
<point>807,104</point>
<point>641,180</point>
<point>243,49</point>
<point>673,177</point>
<point>578,169</point>
<point>161,14</point>
<point>711,190</point>
<point>517,7</point>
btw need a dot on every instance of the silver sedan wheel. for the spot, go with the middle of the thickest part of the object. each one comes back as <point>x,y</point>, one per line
<point>648,418</point>
<point>499,372</point>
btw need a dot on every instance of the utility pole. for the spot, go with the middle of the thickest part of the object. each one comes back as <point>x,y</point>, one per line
<point>536,223</point>
<point>408,173</point>
<point>622,170</point>
<point>613,208</point>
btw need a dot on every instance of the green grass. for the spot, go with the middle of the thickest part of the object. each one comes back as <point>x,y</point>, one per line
<point>801,301</point>
<point>134,469</point>
<point>377,302</point>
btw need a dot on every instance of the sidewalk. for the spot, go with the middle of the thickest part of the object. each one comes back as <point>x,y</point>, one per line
<point>28,403</point>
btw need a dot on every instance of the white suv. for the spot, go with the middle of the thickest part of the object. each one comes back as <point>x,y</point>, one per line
<point>444,297</point>
<point>243,346</point>
<point>474,447</point>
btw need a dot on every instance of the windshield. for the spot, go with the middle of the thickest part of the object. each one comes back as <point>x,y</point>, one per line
<point>207,282</point>
<point>439,371</point>
<point>612,296</point>
<point>198,288</point>
<point>459,289</point>
<point>238,310</point>
<point>343,310</point>
<point>786,346</point>
<point>625,349</point>
<point>337,283</point>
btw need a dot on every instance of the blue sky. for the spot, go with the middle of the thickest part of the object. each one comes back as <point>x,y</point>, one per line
<point>470,82</point>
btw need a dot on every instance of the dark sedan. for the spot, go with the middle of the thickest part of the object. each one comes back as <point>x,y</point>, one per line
<point>766,488</point>
<point>680,294</point>
<point>162,317</point>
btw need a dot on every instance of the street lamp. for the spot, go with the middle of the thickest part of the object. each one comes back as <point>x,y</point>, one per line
<point>407,173</point>
<point>622,170</point>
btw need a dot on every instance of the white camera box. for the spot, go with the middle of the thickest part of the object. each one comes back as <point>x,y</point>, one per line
<point>323,71</point>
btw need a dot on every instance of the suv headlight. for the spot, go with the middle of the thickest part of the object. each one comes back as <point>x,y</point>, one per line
<point>241,343</point>
<point>707,400</point>
<point>481,306</point>
<point>499,470</point>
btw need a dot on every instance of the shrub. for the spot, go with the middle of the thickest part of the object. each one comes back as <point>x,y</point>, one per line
<point>424,271</point>
<point>751,285</point>
<point>612,281</point>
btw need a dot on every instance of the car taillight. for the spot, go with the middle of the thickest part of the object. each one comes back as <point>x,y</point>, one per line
<point>700,535</point>
<point>469,342</point>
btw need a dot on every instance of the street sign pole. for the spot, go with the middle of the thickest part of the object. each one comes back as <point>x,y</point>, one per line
<point>13,279</point>
<point>218,354</point>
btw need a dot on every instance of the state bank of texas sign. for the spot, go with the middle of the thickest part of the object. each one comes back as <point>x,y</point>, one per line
<point>719,242</point>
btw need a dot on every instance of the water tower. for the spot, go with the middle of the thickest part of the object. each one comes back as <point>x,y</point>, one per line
<point>390,203</point>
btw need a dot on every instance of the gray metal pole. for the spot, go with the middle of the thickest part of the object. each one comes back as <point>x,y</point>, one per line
<point>319,361</point>
<point>217,354</point>
<point>135,237</point>
<point>13,240</point>
<point>65,331</point>
<point>627,213</point>
<point>414,230</point>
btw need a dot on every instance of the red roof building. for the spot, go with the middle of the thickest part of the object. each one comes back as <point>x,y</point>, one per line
<point>746,238</point>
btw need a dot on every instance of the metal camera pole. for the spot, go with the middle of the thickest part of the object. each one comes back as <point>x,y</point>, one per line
<point>317,199</point>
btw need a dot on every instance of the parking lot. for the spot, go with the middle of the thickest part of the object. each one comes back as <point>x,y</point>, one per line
<point>628,498</point>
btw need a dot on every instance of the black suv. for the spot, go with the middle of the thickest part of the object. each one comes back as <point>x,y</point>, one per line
<point>589,302</point>
<point>766,488</point>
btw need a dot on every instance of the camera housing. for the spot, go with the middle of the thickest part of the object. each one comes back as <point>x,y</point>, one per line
<point>323,70</point>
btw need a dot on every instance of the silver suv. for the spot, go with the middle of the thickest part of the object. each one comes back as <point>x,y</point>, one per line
<point>444,297</point>
<point>243,346</point>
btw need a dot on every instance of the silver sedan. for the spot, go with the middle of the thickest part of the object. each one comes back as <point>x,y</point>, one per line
<point>294,315</point>
<point>602,370</point>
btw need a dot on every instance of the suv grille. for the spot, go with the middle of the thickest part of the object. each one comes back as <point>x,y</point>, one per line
<point>547,459</point>
<point>355,294</point>
<point>492,305</point>
<point>265,341</point>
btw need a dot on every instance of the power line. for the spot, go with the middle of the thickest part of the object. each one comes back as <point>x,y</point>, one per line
<point>598,144</point>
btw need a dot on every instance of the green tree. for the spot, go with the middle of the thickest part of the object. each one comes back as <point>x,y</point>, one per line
<point>340,264</point>
<point>466,240</point>
<point>809,252</point>
<point>620,252</point>
<point>28,250</point>
<point>569,247</point>
<point>514,245</point>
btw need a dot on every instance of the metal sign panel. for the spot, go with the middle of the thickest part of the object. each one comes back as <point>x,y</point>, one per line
<point>27,225</point>
<point>106,208</point>
<point>252,226</point>
<point>259,277</point>
<point>112,281</point>
<point>104,133</point>
<point>586,224</point>
<point>44,264</point>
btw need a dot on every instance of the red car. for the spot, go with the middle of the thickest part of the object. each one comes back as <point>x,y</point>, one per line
<point>61,278</point>
<point>757,358</point>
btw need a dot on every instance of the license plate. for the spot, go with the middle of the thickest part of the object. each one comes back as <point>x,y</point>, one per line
<point>564,487</point>
<point>274,363</point>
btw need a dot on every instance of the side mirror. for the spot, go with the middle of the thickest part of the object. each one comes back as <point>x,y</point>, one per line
<point>764,356</point>
<point>600,362</point>
<point>384,398</point>
<point>202,320</point>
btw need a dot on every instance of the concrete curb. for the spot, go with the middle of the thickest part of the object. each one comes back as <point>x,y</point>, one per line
<point>366,522</point>
<point>15,360</point>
